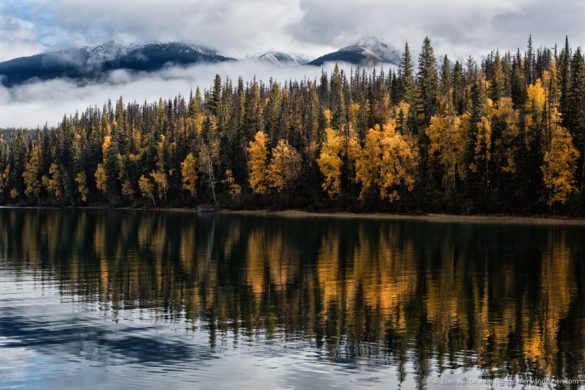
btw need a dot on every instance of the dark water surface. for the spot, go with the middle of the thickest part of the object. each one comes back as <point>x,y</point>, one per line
<point>121,299</point>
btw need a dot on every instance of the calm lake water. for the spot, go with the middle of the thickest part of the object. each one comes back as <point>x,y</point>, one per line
<point>121,299</point>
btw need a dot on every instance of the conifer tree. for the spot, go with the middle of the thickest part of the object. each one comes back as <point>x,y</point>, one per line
<point>427,82</point>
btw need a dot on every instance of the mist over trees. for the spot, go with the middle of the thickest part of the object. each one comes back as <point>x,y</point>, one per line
<point>506,135</point>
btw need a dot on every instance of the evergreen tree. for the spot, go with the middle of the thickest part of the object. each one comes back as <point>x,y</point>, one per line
<point>427,82</point>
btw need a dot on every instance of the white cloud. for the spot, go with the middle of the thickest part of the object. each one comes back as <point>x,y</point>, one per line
<point>37,103</point>
<point>19,38</point>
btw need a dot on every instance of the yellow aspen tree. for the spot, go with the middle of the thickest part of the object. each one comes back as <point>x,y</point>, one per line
<point>31,173</point>
<point>399,163</point>
<point>506,147</point>
<point>234,188</point>
<point>368,165</point>
<point>389,161</point>
<point>336,147</point>
<point>146,188</point>
<point>401,116</point>
<point>53,182</point>
<point>4,175</point>
<point>106,145</point>
<point>285,166</point>
<point>101,179</point>
<point>448,139</point>
<point>14,193</point>
<point>535,111</point>
<point>330,162</point>
<point>353,114</point>
<point>162,184</point>
<point>559,166</point>
<point>81,181</point>
<point>189,174</point>
<point>258,163</point>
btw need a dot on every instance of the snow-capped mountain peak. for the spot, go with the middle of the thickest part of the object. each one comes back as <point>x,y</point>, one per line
<point>281,58</point>
<point>105,52</point>
<point>376,48</point>
<point>367,51</point>
<point>94,62</point>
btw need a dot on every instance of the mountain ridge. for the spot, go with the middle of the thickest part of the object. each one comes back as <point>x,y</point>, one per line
<point>94,63</point>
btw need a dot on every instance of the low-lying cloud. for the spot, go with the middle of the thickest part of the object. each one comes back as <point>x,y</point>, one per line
<point>33,104</point>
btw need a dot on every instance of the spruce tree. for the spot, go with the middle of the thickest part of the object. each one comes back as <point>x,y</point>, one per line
<point>427,82</point>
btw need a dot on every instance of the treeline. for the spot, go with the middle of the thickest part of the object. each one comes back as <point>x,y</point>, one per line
<point>504,135</point>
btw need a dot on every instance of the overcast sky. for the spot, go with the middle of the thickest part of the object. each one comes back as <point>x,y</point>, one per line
<point>309,27</point>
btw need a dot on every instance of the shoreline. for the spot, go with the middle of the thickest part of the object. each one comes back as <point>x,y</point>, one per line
<point>430,217</point>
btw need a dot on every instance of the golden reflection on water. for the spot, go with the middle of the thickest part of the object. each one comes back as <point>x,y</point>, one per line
<point>506,299</point>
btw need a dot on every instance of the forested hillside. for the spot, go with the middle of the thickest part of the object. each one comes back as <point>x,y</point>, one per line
<point>506,135</point>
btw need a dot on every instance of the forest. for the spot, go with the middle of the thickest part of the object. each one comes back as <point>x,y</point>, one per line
<point>505,135</point>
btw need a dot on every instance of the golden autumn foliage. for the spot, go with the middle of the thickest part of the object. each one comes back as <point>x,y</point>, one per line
<point>53,182</point>
<point>559,166</point>
<point>31,173</point>
<point>330,162</point>
<point>535,109</point>
<point>234,188</point>
<point>388,160</point>
<point>146,188</point>
<point>507,145</point>
<point>483,149</point>
<point>284,167</point>
<point>448,136</point>
<point>81,181</point>
<point>399,163</point>
<point>335,149</point>
<point>14,193</point>
<point>368,165</point>
<point>189,174</point>
<point>162,184</point>
<point>258,163</point>
<point>401,115</point>
<point>101,179</point>
<point>4,175</point>
<point>106,145</point>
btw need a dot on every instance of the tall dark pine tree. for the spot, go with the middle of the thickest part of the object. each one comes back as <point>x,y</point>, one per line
<point>576,120</point>
<point>529,62</point>
<point>427,81</point>
<point>406,76</point>
<point>497,79</point>
<point>215,98</point>
<point>518,83</point>
<point>446,81</point>
<point>564,70</point>
<point>458,88</point>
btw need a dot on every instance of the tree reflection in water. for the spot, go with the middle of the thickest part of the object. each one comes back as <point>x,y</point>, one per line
<point>508,300</point>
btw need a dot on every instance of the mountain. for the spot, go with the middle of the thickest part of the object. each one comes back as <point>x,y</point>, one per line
<point>367,52</point>
<point>282,58</point>
<point>92,63</point>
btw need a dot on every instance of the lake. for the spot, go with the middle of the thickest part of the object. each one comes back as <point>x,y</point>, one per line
<point>138,299</point>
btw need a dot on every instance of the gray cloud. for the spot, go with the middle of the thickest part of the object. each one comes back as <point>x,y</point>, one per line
<point>20,38</point>
<point>34,104</point>
<point>309,27</point>
<point>457,27</point>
